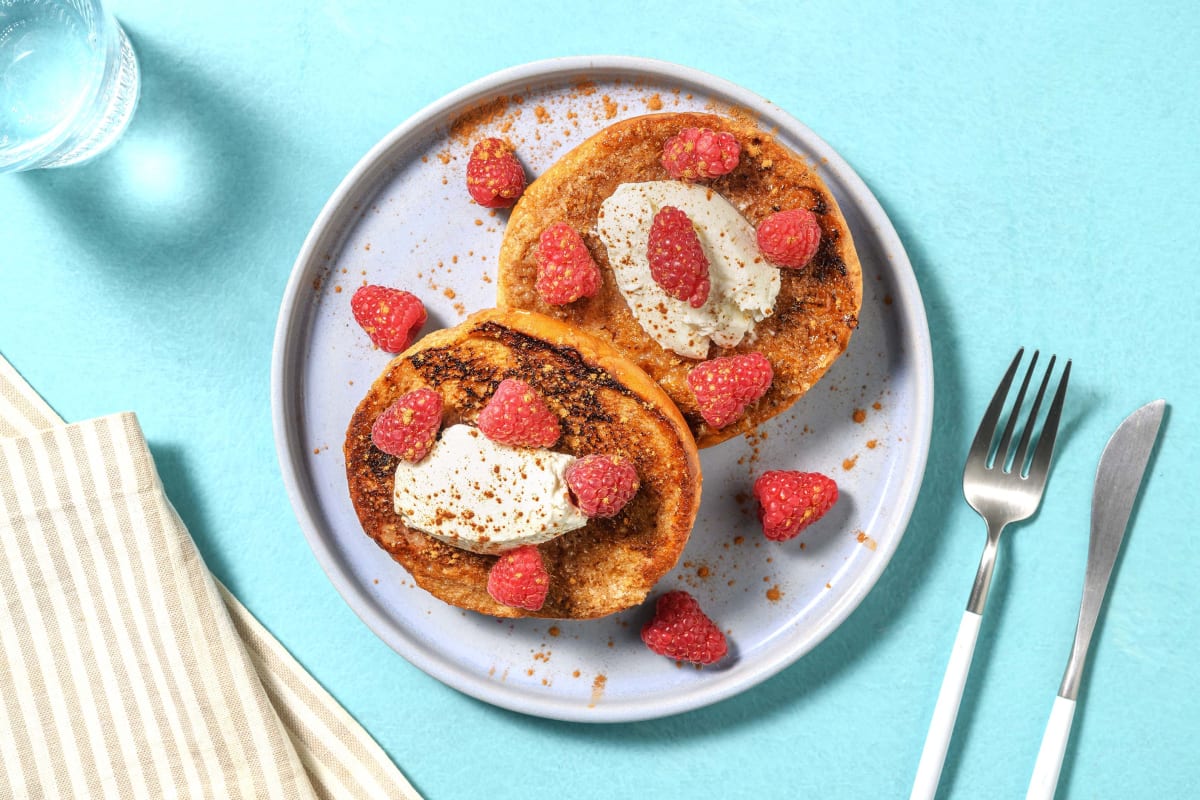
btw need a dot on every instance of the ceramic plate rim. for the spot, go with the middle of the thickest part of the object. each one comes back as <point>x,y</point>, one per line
<point>284,368</point>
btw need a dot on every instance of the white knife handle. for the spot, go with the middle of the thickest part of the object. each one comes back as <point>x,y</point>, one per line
<point>1054,745</point>
<point>937,741</point>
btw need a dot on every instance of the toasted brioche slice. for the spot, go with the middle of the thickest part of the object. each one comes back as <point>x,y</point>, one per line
<point>817,307</point>
<point>605,405</point>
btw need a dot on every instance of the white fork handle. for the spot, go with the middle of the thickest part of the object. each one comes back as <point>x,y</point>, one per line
<point>937,741</point>
<point>1054,745</point>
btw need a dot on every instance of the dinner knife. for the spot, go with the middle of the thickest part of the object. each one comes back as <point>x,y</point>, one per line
<point>1122,465</point>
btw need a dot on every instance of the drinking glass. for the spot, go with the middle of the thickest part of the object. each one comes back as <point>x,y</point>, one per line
<point>68,82</point>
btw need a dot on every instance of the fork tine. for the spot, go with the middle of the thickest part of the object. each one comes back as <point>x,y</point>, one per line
<point>1040,466</point>
<point>987,426</point>
<point>1023,447</point>
<point>1001,459</point>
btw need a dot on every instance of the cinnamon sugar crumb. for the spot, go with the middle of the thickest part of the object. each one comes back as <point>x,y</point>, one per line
<point>860,416</point>
<point>848,464</point>
<point>467,126</point>
<point>773,594</point>
<point>866,541</point>
<point>872,444</point>
<point>610,107</point>
<point>654,102</point>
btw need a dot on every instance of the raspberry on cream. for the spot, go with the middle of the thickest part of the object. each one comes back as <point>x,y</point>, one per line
<point>478,495</point>
<point>743,284</point>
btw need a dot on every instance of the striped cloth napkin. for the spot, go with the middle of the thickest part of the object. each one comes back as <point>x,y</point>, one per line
<point>126,669</point>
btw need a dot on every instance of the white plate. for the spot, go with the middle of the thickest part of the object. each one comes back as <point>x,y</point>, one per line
<point>403,217</point>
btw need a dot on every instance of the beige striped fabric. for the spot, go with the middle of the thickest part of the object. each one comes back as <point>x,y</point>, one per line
<point>126,669</point>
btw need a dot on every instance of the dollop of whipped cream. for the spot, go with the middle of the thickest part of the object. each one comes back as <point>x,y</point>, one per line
<point>744,284</point>
<point>475,494</point>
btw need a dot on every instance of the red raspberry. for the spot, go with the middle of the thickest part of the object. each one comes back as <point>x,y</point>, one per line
<point>680,630</point>
<point>391,317</point>
<point>518,416</point>
<point>494,176</point>
<point>698,153</point>
<point>602,484</point>
<point>677,260</point>
<point>565,268</point>
<point>409,427</point>
<point>790,238</point>
<point>519,579</point>
<point>791,501</point>
<point>725,386</point>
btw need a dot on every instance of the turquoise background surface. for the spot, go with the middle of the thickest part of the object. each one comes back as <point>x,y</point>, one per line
<point>1039,163</point>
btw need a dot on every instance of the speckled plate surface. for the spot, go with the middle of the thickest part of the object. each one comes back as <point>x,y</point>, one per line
<point>402,217</point>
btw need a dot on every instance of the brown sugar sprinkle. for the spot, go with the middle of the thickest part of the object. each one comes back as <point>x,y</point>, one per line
<point>444,156</point>
<point>466,127</point>
<point>877,405</point>
<point>575,674</point>
<point>872,444</point>
<point>610,107</point>
<point>478,222</point>
<point>866,541</point>
<point>449,293</point>
<point>654,102</point>
<point>597,689</point>
<point>553,631</point>
<point>337,289</point>
<point>739,539</point>
<point>585,88</point>
<point>860,416</point>
<point>848,464</point>
<point>773,594</point>
<point>703,572</point>
<point>377,581</point>
<point>542,114</point>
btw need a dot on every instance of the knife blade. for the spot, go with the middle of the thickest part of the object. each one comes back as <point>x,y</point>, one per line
<point>1118,479</point>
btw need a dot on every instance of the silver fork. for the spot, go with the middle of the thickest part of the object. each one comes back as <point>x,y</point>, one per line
<point>1003,490</point>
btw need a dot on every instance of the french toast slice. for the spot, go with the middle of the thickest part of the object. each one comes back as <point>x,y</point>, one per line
<point>605,404</point>
<point>816,309</point>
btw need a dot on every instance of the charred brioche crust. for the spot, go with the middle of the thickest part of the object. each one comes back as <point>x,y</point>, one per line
<point>605,404</point>
<point>817,308</point>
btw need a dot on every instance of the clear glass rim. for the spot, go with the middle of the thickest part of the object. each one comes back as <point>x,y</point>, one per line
<point>49,144</point>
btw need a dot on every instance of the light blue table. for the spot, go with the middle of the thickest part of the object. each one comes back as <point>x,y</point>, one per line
<point>1039,162</point>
